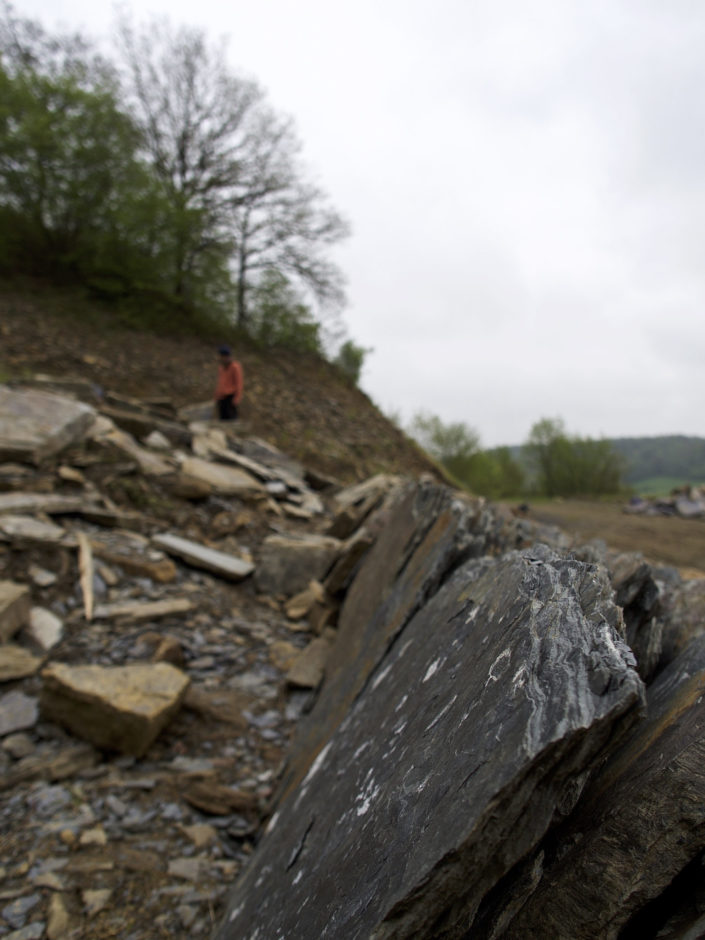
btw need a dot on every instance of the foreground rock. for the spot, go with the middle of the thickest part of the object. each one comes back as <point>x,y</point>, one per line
<point>474,732</point>
<point>639,825</point>
<point>121,708</point>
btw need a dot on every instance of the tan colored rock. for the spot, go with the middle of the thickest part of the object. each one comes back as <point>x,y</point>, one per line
<point>283,654</point>
<point>169,650</point>
<point>96,899</point>
<point>17,663</point>
<point>71,475</point>
<point>309,668</point>
<point>36,424</point>
<point>116,707</point>
<point>201,834</point>
<point>95,836</point>
<point>301,604</point>
<point>228,481</point>
<point>15,604</point>
<point>58,920</point>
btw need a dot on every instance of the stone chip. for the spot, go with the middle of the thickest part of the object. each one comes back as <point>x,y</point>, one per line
<point>115,707</point>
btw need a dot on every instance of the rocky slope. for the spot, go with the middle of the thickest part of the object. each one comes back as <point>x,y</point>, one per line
<point>239,699</point>
<point>197,636</point>
<point>298,402</point>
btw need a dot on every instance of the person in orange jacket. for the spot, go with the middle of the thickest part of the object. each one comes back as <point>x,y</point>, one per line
<point>228,391</point>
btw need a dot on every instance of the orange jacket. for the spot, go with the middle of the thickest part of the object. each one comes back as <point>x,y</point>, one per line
<point>229,381</point>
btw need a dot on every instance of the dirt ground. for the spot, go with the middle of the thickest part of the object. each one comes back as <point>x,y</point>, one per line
<point>662,539</point>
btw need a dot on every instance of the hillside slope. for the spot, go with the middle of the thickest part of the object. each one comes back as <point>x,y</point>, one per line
<point>298,402</point>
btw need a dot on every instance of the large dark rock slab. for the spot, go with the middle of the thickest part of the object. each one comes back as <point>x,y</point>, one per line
<point>473,733</point>
<point>639,824</point>
<point>422,532</point>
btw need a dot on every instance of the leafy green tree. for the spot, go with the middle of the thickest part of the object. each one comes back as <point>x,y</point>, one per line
<point>280,318</point>
<point>67,155</point>
<point>73,189</point>
<point>491,473</point>
<point>566,466</point>
<point>453,445</point>
<point>350,360</point>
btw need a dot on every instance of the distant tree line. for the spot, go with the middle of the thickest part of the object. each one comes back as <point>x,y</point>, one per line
<point>164,176</point>
<point>552,462</point>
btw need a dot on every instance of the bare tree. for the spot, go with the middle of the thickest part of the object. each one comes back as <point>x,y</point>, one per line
<point>230,165</point>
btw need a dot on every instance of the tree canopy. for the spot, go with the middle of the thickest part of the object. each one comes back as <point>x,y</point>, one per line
<point>163,170</point>
<point>492,473</point>
<point>571,466</point>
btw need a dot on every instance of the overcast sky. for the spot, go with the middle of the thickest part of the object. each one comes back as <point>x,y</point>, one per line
<point>526,188</point>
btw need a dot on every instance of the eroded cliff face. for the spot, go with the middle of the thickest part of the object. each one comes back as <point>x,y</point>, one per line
<point>484,758</point>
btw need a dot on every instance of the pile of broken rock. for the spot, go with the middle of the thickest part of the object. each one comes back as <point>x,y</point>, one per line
<point>198,636</point>
<point>167,603</point>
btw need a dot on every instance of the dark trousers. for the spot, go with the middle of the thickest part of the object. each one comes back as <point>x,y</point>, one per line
<point>227,409</point>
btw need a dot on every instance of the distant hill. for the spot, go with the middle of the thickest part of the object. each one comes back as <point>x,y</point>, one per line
<point>663,462</point>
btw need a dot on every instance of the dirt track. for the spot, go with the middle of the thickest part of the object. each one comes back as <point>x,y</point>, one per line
<point>664,539</point>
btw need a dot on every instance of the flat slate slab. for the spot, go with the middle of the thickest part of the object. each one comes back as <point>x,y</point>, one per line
<point>208,559</point>
<point>228,481</point>
<point>119,708</point>
<point>36,424</point>
<point>472,734</point>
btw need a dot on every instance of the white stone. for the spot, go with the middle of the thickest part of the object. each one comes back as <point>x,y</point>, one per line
<point>44,628</point>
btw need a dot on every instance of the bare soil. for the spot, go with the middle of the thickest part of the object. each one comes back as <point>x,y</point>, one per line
<point>665,540</point>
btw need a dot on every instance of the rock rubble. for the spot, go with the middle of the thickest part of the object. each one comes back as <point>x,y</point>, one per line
<point>398,701</point>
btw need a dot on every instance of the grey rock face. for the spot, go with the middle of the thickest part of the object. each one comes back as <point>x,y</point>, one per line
<point>473,734</point>
<point>640,821</point>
